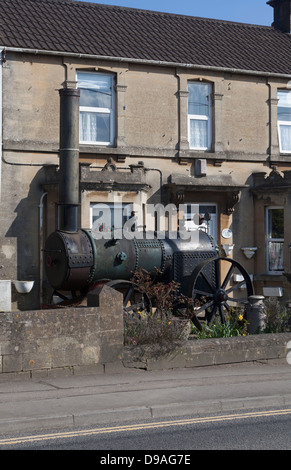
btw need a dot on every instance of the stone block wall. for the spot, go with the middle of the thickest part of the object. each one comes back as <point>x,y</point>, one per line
<point>63,337</point>
<point>210,352</point>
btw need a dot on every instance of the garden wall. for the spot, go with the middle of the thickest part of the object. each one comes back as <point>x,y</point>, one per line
<point>63,337</point>
<point>209,352</point>
<point>90,339</point>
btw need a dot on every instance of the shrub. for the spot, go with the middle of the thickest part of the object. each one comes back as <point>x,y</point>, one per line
<point>159,324</point>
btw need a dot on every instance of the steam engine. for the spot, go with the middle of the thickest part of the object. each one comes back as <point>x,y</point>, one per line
<point>75,260</point>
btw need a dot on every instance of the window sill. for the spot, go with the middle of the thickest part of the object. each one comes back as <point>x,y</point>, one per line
<point>202,149</point>
<point>96,148</point>
<point>268,276</point>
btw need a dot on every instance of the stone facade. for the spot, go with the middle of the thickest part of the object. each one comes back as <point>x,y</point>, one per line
<point>150,162</point>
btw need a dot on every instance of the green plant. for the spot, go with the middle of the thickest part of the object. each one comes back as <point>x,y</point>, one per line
<point>235,325</point>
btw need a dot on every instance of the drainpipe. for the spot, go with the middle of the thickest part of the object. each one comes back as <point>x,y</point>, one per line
<point>41,248</point>
<point>161,180</point>
<point>69,159</point>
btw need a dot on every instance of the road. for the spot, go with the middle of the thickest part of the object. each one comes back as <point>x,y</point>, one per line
<point>268,429</point>
<point>239,406</point>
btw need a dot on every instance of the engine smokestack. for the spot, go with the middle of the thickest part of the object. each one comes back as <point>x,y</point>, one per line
<point>69,159</point>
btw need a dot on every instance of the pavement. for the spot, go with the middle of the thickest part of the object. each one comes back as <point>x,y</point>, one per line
<point>136,395</point>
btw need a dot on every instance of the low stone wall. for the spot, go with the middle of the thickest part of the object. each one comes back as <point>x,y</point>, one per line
<point>63,337</point>
<point>209,352</point>
<point>90,340</point>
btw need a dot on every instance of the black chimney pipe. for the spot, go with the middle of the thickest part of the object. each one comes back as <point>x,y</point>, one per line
<point>282,15</point>
<point>69,159</point>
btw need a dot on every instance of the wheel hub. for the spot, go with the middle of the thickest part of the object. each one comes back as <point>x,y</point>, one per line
<point>221,296</point>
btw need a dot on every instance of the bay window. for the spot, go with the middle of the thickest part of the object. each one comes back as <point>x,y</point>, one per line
<point>200,115</point>
<point>284,120</point>
<point>97,108</point>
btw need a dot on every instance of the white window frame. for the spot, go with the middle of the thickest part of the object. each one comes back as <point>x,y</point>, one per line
<point>270,239</point>
<point>99,110</point>
<point>282,124</point>
<point>208,226</point>
<point>199,117</point>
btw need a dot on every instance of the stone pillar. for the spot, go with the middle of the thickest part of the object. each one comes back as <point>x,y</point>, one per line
<point>110,312</point>
<point>273,122</point>
<point>121,111</point>
<point>256,315</point>
<point>183,93</point>
<point>5,300</point>
<point>217,121</point>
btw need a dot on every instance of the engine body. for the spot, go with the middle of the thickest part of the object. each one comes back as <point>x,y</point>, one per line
<point>74,260</point>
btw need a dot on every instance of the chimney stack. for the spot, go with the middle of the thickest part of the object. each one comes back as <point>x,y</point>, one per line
<point>282,14</point>
<point>69,159</point>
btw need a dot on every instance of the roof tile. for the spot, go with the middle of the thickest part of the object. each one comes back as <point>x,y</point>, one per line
<point>88,28</point>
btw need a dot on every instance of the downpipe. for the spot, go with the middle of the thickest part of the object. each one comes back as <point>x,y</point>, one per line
<point>2,61</point>
<point>41,205</point>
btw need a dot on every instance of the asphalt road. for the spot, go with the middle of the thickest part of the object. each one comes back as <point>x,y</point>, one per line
<point>117,411</point>
<point>167,441</point>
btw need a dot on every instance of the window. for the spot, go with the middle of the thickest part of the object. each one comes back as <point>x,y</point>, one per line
<point>105,217</point>
<point>284,121</point>
<point>200,115</point>
<point>208,220</point>
<point>275,239</point>
<point>97,108</point>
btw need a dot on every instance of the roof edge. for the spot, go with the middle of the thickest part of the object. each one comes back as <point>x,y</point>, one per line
<point>144,62</point>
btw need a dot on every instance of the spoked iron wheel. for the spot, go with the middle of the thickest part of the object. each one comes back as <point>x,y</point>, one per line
<point>219,285</point>
<point>67,299</point>
<point>133,300</point>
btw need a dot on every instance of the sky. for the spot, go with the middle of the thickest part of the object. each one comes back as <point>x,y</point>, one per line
<point>242,11</point>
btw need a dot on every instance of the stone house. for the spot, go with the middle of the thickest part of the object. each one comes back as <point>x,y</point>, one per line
<point>173,109</point>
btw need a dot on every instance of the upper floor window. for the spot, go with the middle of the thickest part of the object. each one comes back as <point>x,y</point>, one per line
<point>200,115</point>
<point>97,108</point>
<point>284,120</point>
